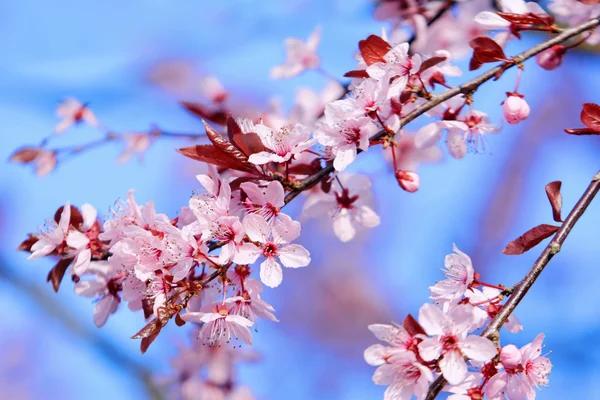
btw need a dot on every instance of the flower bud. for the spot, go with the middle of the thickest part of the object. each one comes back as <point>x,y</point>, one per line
<point>510,356</point>
<point>551,58</point>
<point>408,180</point>
<point>515,108</point>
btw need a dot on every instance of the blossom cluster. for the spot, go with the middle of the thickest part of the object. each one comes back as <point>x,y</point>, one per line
<point>442,342</point>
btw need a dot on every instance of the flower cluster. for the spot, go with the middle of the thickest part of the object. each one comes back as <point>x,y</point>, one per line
<point>442,342</point>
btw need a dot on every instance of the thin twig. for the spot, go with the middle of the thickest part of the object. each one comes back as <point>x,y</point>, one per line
<point>521,289</point>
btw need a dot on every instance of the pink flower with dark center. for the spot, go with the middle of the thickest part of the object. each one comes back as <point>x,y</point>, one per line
<point>54,236</point>
<point>272,243</point>
<point>451,342</point>
<point>284,143</point>
<point>265,202</point>
<point>459,274</point>
<point>72,111</point>
<point>220,326</point>
<point>106,285</point>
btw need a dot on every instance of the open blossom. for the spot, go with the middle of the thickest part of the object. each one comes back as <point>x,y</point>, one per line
<point>266,202</point>
<point>54,236</point>
<point>344,135</point>
<point>72,111</point>
<point>460,275</point>
<point>348,206</point>
<point>300,56</point>
<point>488,304</point>
<point>574,12</point>
<point>219,326</point>
<point>104,286</point>
<point>398,67</point>
<point>451,341</point>
<point>80,241</point>
<point>284,143</point>
<point>524,370</point>
<point>272,242</point>
<point>405,376</point>
<point>250,305</point>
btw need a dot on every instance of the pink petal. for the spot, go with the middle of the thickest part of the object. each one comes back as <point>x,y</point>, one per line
<point>432,319</point>
<point>270,272</point>
<point>294,256</point>
<point>478,348</point>
<point>106,306</point>
<point>454,367</point>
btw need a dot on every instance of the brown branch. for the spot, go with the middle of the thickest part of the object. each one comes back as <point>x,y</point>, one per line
<point>466,88</point>
<point>521,289</point>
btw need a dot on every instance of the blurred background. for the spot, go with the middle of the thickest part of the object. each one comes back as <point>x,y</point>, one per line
<point>109,54</point>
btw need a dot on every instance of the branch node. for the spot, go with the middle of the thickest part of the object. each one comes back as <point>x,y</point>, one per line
<point>554,248</point>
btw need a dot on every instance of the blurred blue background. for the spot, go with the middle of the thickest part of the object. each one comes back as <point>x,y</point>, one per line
<point>105,52</point>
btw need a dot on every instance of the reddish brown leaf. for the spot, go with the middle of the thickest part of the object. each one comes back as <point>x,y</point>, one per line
<point>27,243</point>
<point>216,116</point>
<point>147,307</point>
<point>431,62</point>
<point>24,155</point>
<point>150,329</point>
<point>485,50</point>
<point>249,142</point>
<point>208,153</point>
<point>530,239</point>
<point>229,149</point>
<point>305,169</point>
<point>412,326</point>
<point>589,2</point>
<point>147,341</point>
<point>76,217</point>
<point>553,193</point>
<point>582,131</point>
<point>526,19</point>
<point>57,273</point>
<point>373,49</point>
<point>178,320</point>
<point>590,116</point>
<point>357,73</point>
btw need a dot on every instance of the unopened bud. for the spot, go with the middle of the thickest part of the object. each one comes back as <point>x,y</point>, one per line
<point>551,58</point>
<point>510,356</point>
<point>408,180</point>
<point>515,108</point>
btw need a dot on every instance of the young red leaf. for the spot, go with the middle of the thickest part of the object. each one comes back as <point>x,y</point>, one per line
<point>485,50</point>
<point>179,321</point>
<point>582,131</point>
<point>249,142</point>
<point>589,2</point>
<point>526,19</point>
<point>412,326</point>
<point>530,239</point>
<point>27,243</point>
<point>373,49</point>
<point>357,73</point>
<point>24,155</point>
<point>231,151</point>
<point>431,62</point>
<point>147,341</point>
<point>57,273</point>
<point>553,193</point>
<point>590,116</point>
<point>199,110</point>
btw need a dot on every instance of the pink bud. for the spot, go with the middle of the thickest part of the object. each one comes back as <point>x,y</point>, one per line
<point>510,356</point>
<point>408,180</point>
<point>551,58</point>
<point>515,108</point>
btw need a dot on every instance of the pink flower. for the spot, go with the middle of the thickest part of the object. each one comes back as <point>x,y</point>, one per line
<point>398,67</point>
<point>344,136</point>
<point>250,305</point>
<point>265,202</point>
<point>54,236</point>
<point>487,306</point>
<point>524,370</point>
<point>300,56</point>
<point>459,277</point>
<point>80,241</point>
<point>106,286</point>
<point>284,143</point>
<point>272,243</point>
<point>451,342</point>
<point>135,143</point>
<point>574,13</point>
<point>72,111</point>
<point>515,108</point>
<point>230,232</point>
<point>397,337</point>
<point>405,376</point>
<point>219,326</point>
<point>348,206</point>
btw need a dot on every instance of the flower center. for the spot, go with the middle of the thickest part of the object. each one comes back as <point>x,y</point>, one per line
<point>269,249</point>
<point>344,200</point>
<point>449,342</point>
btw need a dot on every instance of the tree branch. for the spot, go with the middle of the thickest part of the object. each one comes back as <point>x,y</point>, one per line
<point>465,88</point>
<point>521,289</point>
